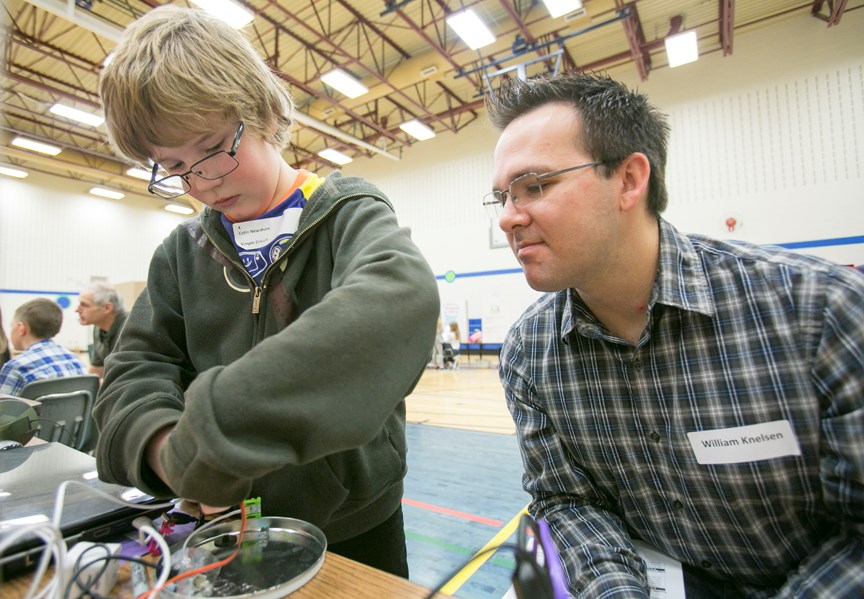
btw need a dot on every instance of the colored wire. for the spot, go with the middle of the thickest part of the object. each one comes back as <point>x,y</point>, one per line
<point>207,568</point>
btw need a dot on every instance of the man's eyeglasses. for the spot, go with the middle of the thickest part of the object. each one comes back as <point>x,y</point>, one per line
<point>524,189</point>
<point>214,166</point>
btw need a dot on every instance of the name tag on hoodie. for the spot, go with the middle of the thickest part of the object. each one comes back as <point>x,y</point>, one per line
<point>745,443</point>
<point>254,234</point>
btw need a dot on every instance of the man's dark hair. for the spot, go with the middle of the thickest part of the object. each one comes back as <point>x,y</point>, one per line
<point>616,122</point>
<point>43,317</point>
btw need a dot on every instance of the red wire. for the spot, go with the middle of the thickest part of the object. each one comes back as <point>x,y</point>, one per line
<point>208,567</point>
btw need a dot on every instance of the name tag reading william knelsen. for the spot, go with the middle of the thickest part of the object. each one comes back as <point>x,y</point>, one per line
<point>750,443</point>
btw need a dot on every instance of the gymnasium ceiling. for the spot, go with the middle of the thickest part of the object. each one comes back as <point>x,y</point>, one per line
<point>413,64</point>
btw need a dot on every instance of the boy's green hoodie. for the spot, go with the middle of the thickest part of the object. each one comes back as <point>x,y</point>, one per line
<point>292,391</point>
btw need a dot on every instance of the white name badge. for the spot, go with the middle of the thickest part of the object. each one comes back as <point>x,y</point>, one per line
<point>745,443</point>
<point>253,234</point>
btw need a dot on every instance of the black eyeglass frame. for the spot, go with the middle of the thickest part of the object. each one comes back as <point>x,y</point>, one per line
<point>184,177</point>
<point>499,197</point>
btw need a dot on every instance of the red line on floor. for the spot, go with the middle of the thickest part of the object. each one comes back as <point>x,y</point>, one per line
<point>449,512</point>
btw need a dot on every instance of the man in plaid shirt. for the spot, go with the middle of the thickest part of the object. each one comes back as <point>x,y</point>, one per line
<point>703,396</point>
<point>34,325</point>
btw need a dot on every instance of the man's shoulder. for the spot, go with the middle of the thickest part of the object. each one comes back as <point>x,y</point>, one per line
<point>746,258</point>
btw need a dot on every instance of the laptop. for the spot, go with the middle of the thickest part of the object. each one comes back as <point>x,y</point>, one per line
<point>29,478</point>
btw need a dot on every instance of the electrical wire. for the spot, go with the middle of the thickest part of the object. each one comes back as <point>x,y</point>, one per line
<point>55,545</point>
<point>166,554</point>
<point>209,524</point>
<point>207,568</point>
<point>87,589</point>
<point>511,546</point>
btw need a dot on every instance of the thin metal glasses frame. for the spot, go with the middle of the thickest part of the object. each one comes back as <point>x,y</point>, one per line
<point>184,177</point>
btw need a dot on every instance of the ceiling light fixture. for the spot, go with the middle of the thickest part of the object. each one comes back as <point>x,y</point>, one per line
<point>559,8</point>
<point>139,173</point>
<point>416,129</point>
<point>94,120</point>
<point>107,193</point>
<point>13,172</point>
<point>335,156</point>
<point>230,12</point>
<point>471,29</point>
<point>36,146</point>
<point>681,48</point>
<point>178,209</point>
<point>344,83</point>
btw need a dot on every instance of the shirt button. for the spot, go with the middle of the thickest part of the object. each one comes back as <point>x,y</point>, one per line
<point>637,364</point>
<point>706,564</point>
<point>655,437</point>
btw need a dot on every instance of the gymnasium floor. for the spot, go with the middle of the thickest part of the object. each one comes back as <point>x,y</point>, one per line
<point>463,488</point>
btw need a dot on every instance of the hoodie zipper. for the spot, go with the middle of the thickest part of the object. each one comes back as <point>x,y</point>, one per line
<point>257,291</point>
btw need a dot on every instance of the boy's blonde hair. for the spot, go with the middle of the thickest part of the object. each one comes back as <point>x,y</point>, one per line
<point>180,72</point>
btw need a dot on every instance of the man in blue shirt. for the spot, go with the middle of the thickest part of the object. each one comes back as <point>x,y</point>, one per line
<point>703,396</point>
<point>34,325</point>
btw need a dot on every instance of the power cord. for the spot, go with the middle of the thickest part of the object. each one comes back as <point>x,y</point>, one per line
<point>539,573</point>
<point>55,545</point>
<point>509,546</point>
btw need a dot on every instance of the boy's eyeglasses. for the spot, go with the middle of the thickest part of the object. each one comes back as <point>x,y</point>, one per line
<point>524,189</point>
<point>214,166</point>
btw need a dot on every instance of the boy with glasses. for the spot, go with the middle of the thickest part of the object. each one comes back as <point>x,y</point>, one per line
<point>703,396</point>
<point>240,371</point>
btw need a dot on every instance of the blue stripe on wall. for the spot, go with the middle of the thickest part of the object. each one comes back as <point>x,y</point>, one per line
<point>795,245</point>
<point>818,243</point>
<point>38,292</point>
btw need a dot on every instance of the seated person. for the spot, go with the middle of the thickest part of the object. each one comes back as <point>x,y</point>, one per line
<point>102,306</point>
<point>34,325</point>
<point>5,353</point>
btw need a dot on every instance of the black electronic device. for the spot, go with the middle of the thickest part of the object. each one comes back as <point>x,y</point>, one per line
<point>30,477</point>
<point>539,573</point>
<point>18,419</point>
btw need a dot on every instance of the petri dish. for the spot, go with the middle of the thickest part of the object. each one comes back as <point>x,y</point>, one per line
<point>277,556</point>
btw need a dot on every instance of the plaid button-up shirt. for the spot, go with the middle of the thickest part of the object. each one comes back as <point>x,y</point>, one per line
<point>44,359</point>
<point>736,335</point>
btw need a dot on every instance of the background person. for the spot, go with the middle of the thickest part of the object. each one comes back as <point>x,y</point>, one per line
<point>101,305</point>
<point>34,325</point>
<point>451,345</point>
<point>704,396</point>
<point>5,352</point>
<point>243,369</point>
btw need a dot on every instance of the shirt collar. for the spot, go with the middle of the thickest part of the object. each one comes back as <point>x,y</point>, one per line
<point>681,278</point>
<point>681,282</point>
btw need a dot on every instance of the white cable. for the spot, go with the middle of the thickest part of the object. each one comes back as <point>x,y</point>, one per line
<point>166,554</point>
<point>208,525</point>
<point>55,544</point>
<point>53,541</point>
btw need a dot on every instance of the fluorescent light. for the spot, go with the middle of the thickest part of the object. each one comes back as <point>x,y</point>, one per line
<point>94,120</point>
<point>29,144</point>
<point>334,156</point>
<point>345,83</point>
<point>471,29</point>
<point>559,8</point>
<point>107,193</point>
<point>13,172</point>
<point>682,48</point>
<point>230,12</point>
<point>178,209</point>
<point>139,173</point>
<point>417,129</point>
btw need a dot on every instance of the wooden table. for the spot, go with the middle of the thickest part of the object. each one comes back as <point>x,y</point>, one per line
<point>338,578</point>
